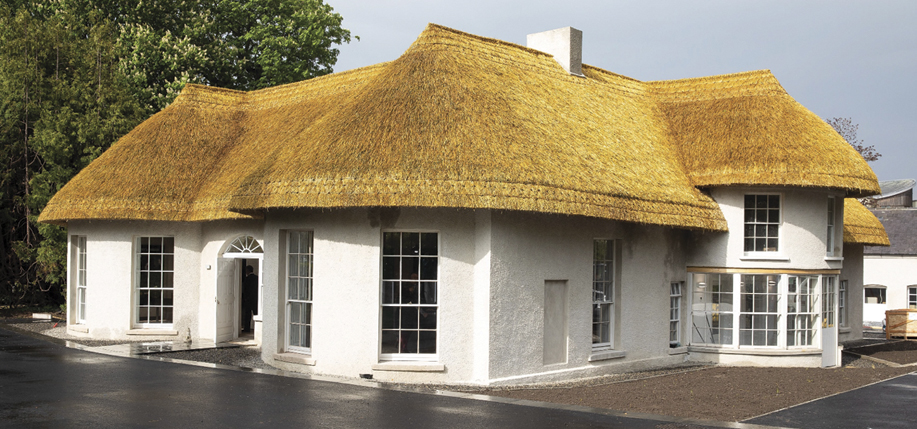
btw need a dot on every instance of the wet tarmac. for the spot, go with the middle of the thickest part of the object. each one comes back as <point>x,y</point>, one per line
<point>886,404</point>
<point>46,384</point>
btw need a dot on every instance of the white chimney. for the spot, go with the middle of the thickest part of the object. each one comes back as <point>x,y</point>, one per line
<point>565,44</point>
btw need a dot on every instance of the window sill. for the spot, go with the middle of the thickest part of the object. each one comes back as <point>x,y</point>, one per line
<point>834,258</point>
<point>756,351</point>
<point>678,350</point>
<point>153,332</point>
<point>764,257</point>
<point>599,355</point>
<point>409,366</point>
<point>296,358</point>
<point>78,328</point>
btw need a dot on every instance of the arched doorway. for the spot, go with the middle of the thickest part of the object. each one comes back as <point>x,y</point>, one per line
<point>232,269</point>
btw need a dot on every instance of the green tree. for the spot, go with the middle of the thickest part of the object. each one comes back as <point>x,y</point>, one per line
<point>76,75</point>
<point>62,102</point>
<point>848,130</point>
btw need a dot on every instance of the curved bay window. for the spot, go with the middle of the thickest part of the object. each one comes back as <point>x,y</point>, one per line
<point>774,310</point>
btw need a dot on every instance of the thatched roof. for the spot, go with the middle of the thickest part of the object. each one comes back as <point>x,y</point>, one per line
<point>464,121</point>
<point>861,226</point>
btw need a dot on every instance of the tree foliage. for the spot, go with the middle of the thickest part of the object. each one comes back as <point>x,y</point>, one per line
<point>76,75</point>
<point>848,130</point>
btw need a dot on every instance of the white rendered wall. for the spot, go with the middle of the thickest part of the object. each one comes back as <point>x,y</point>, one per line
<point>529,249</point>
<point>109,274</point>
<point>853,273</point>
<point>214,238</point>
<point>802,233</point>
<point>346,278</point>
<point>894,272</point>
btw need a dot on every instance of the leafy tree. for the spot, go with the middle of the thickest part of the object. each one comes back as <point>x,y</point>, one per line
<point>76,75</point>
<point>62,102</point>
<point>848,130</point>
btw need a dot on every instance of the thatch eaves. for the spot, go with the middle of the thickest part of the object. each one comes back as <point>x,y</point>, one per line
<point>861,226</point>
<point>744,129</point>
<point>457,121</point>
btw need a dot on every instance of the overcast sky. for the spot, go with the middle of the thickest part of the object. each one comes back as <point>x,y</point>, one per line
<point>854,59</point>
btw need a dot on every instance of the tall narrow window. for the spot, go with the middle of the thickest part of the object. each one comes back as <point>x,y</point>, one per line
<point>762,223</point>
<point>801,314</point>
<point>80,242</point>
<point>155,271</point>
<point>912,297</point>
<point>603,290</point>
<point>410,283</point>
<point>829,241</point>
<point>675,314</point>
<point>299,290</point>
<point>842,304</point>
<point>759,314</point>
<point>713,309</point>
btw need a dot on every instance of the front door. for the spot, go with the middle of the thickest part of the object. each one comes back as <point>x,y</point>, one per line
<point>226,276</point>
<point>830,356</point>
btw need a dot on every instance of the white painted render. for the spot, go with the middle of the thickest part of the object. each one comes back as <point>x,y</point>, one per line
<point>894,272</point>
<point>853,273</point>
<point>109,272</point>
<point>493,270</point>
<point>802,234</point>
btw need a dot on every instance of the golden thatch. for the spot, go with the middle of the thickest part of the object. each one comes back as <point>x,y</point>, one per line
<point>465,121</point>
<point>861,226</point>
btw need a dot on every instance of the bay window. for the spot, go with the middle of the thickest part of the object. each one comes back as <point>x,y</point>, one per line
<point>774,310</point>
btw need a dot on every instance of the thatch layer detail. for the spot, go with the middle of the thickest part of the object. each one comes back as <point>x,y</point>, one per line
<point>861,226</point>
<point>463,121</point>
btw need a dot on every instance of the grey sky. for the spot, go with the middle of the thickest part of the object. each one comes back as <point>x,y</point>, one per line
<point>854,59</point>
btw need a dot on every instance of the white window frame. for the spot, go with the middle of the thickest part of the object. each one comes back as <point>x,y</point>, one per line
<point>604,275</point>
<point>144,272</point>
<point>757,223</point>
<point>299,291</point>
<point>802,310</point>
<point>392,303</point>
<point>842,303</point>
<point>912,297</point>
<point>832,220</point>
<point>718,308</point>
<point>760,294</point>
<point>79,242</point>
<point>676,289</point>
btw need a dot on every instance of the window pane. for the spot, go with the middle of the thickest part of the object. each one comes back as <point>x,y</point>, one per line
<point>168,245</point>
<point>428,293</point>
<point>409,293</point>
<point>391,243</point>
<point>410,243</point>
<point>427,317</point>
<point>408,317</point>
<point>389,317</point>
<point>390,292</point>
<point>166,315</point>
<point>429,243</point>
<point>410,269</point>
<point>427,342</point>
<point>390,341</point>
<point>391,268</point>
<point>428,268</point>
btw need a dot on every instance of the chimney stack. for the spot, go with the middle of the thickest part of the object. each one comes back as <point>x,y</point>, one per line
<point>565,44</point>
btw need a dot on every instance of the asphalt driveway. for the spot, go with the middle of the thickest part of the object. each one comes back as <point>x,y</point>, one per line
<point>45,384</point>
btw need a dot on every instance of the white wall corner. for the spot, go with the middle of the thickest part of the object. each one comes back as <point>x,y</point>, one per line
<point>565,44</point>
